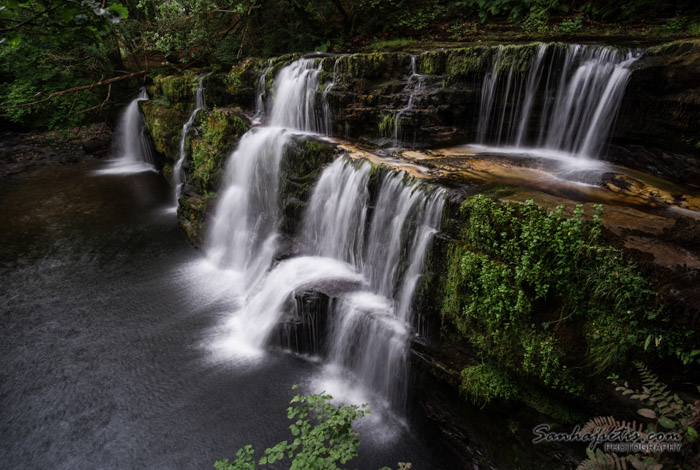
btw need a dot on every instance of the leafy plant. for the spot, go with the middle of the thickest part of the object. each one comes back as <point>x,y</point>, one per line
<point>520,273</point>
<point>570,26</point>
<point>322,437</point>
<point>669,413</point>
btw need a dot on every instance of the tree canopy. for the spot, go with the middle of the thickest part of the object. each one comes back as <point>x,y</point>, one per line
<point>47,46</point>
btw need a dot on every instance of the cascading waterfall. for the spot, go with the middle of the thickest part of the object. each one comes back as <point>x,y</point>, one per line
<point>132,149</point>
<point>370,329</point>
<point>580,100</point>
<point>414,87</point>
<point>178,172</point>
<point>243,236</point>
<point>370,252</point>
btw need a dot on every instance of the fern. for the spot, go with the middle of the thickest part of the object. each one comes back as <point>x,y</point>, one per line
<point>599,460</point>
<point>605,424</point>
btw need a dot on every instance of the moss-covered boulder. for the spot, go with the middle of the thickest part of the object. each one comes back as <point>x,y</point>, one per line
<point>164,124</point>
<point>219,131</point>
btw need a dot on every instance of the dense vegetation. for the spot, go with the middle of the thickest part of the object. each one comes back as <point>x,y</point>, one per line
<point>541,297</point>
<point>49,46</point>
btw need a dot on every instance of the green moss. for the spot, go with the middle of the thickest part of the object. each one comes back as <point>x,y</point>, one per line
<point>164,124</point>
<point>483,383</point>
<point>220,130</point>
<point>432,62</point>
<point>192,215</point>
<point>386,125</point>
<point>175,88</point>
<point>521,278</point>
<point>299,171</point>
<point>675,48</point>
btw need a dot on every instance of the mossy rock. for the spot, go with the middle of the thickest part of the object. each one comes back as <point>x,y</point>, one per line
<point>300,169</point>
<point>219,131</point>
<point>175,88</point>
<point>164,125</point>
<point>192,215</point>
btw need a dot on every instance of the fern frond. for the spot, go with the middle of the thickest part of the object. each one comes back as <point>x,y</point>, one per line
<point>604,424</point>
<point>599,460</point>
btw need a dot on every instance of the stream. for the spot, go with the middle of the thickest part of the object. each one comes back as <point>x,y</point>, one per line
<point>108,319</point>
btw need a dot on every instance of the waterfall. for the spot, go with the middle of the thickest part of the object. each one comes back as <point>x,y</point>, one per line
<point>414,87</point>
<point>132,149</point>
<point>294,101</point>
<point>327,113</point>
<point>363,247</point>
<point>244,231</point>
<point>260,92</point>
<point>370,328</point>
<point>178,172</point>
<point>574,111</point>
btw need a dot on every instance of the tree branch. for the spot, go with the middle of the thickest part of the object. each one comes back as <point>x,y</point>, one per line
<point>109,81</point>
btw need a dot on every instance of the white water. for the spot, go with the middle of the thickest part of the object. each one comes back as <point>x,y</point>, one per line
<point>327,113</point>
<point>414,87</point>
<point>373,266</point>
<point>260,92</point>
<point>132,150</point>
<point>581,96</point>
<point>371,328</point>
<point>178,171</point>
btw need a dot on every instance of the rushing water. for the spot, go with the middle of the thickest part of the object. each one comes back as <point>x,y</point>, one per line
<point>376,260</point>
<point>178,170</point>
<point>107,316</point>
<point>371,326</point>
<point>132,150</point>
<point>580,88</point>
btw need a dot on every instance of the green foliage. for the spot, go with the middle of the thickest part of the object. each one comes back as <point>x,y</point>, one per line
<point>34,68</point>
<point>321,437</point>
<point>570,26</point>
<point>61,21</point>
<point>669,414</point>
<point>520,274</point>
<point>536,22</point>
<point>483,383</point>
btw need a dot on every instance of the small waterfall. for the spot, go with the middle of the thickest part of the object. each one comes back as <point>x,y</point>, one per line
<point>132,150</point>
<point>414,87</point>
<point>574,111</point>
<point>336,216</point>
<point>327,113</point>
<point>178,171</point>
<point>294,105</point>
<point>244,232</point>
<point>260,92</point>
<point>370,329</point>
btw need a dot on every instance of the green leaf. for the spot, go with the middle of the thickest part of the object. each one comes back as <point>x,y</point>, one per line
<point>647,413</point>
<point>691,434</point>
<point>667,423</point>
<point>120,9</point>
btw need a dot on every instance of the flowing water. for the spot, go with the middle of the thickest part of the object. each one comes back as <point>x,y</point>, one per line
<point>579,89</point>
<point>376,261</point>
<point>132,150</point>
<point>414,87</point>
<point>371,327</point>
<point>107,320</point>
<point>178,170</point>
